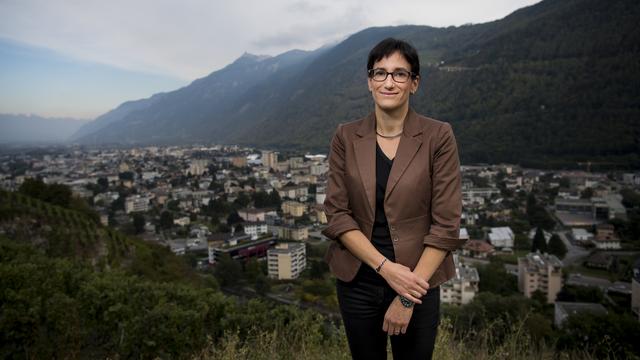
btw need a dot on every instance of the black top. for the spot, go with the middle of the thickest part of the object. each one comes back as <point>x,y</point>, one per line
<point>380,238</point>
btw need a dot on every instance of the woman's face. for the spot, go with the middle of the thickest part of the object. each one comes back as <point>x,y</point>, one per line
<point>390,95</point>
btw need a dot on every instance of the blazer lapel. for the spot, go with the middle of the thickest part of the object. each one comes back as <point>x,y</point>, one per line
<point>365,151</point>
<point>408,146</point>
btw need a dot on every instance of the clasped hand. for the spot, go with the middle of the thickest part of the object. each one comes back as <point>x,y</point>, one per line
<point>404,281</point>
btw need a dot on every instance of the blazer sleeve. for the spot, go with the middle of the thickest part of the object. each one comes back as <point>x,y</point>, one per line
<point>336,203</point>
<point>446,195</point>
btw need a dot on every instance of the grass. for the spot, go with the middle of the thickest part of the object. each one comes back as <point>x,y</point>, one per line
<point>512,258</point>
<point>312,345</point>
<point>600,273</point>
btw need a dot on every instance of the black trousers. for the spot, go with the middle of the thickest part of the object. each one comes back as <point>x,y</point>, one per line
<point>363,304</point>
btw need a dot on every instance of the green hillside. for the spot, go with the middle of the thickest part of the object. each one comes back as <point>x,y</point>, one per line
<point>61,232</point>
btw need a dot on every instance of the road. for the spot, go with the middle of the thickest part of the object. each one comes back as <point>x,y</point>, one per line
<point>575,253</point>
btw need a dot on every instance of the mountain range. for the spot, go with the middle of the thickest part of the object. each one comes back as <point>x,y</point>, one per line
<point>18,129</point>
<point>555,84</point>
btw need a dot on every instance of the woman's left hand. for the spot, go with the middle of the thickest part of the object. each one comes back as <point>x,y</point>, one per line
<point>397,318</point>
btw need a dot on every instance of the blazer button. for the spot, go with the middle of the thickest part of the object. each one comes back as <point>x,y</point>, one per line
<point>395,238</point>
<point>392,227</point>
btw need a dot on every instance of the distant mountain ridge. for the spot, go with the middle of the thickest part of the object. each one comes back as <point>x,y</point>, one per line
<point>21,129</point>
<point>553,84</point>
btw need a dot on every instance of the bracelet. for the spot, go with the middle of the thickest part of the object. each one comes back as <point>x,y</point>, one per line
<point>380,266</point>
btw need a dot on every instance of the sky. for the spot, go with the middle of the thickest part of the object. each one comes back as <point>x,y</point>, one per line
<point>82,58</point>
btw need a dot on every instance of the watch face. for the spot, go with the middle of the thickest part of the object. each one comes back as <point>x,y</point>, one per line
<point>406,302</point>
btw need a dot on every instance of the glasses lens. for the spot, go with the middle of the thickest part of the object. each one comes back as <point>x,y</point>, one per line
<point>379,75</point>
<point>400,76</point>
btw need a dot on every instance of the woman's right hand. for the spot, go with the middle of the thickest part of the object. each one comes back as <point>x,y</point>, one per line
<point>404,281</point>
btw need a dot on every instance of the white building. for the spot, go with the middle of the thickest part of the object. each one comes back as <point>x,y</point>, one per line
<point>501,237</point>
<point>255,229</point>
<point>581,235</point>
<point>462,288</point>
<point>106,198</point>
<point>478,195</point>
<point>183,221</point>
<point>286,260</point>
<point>136,203</point>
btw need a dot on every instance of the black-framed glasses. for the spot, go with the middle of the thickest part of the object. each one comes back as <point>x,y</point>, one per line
<point>399,76</point>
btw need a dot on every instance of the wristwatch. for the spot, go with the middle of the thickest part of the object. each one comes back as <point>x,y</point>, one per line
<point>405,302</point>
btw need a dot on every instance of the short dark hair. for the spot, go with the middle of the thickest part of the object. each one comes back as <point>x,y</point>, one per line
<point>389,46</point>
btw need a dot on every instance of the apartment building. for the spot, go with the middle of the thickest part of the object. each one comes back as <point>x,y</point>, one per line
<point>462,288</point>
<point>269,159</point>
<point>540,272</point>
<point>293,208</point>
<point>286,261</point>
<point>136,203</point>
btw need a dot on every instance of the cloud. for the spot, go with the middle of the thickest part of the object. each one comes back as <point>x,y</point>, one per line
<point>313,34</point>
<point>189,39</point>
<point>307,7</point>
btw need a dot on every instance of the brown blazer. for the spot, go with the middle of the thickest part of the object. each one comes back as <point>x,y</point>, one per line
<point>423,200</point>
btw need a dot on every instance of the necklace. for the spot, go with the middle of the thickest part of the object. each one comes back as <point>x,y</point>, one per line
<point>389,136</point>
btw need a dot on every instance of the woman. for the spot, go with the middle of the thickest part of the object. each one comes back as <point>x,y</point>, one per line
<point>393,202</point>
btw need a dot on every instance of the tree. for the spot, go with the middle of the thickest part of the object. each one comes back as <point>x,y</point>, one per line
<point>166,220</point>
<point>522,242</point>
<point>274,199</point>
<point>539,297</point>
<point>227,270</point>
<point>589,331</point>
<point>57,194</point>
<point>127,175</point>
<point>242,200</point>
<point>260,198</point>
<point>574,293</point>
<point>173,205</point>
<point>234,218</point>
<point>316,269</point>
<point>138,223</point>
<point>496,280</point>
<point>103,184</point>
<point>252,269</point>
<point>539,242</point>
<point>557,247</point>
<point>262,284</point>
